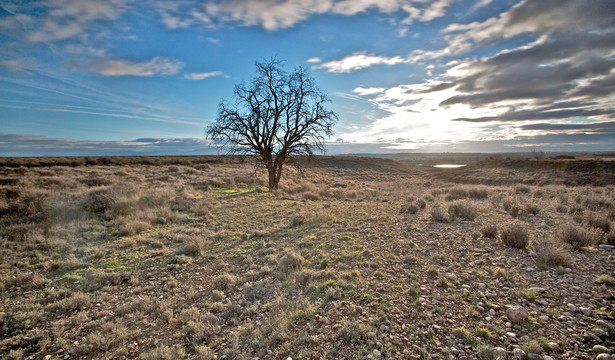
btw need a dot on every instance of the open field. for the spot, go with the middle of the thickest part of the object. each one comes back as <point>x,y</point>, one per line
<point>359,258</point>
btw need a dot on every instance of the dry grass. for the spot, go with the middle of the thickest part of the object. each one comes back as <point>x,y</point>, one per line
<point>515,235</point>
<point>551,252</point>
<point>179,257</point>
<point>579,237</point>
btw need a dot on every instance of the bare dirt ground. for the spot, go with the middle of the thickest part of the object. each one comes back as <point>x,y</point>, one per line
<point>359,258</point>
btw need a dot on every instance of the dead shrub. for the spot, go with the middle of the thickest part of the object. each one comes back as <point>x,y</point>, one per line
<point>164,352</point>
<point>456,194</point>
<point>298,220</point>
<point>512,207</point>
<point>193,246</point>
<point>478,194</point>
<point>551,253</point>
<point>133,227</point>
<point>291,261</point>
<point>27,203</point>
<point>515,235</point>
<point>489,230</point>
<point>462,210</point>
<point>225,282</point>
<point>311,196</point>
<point>598,221</point>
<point>579,237</point>
<point>437,215</point>
<point>409,209</point>
<point>532,208</point>
<point>522,189</point>
<point>99,201</point>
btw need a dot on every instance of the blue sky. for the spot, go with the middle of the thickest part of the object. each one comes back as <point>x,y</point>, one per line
<point>81,77</point>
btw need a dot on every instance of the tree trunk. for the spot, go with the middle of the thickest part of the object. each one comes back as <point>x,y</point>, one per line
<point>274,169</point>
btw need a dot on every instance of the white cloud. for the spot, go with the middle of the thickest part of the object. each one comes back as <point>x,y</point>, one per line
<point>69,18</point>
<point>156,66</point>
<point>368,91</point>
<point>279,14</point>
<point>202,76</point>
<point>16,65</point>
<point>314,60</point>
<point>359,60</point>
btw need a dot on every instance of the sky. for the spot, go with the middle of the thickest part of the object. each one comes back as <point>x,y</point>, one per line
<point>120,77</point>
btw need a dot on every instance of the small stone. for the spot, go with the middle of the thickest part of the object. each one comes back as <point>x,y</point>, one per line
<point>606,247</point>
<point>47,357</point>
<point>547,357</point>
<point>538,289</point>
<point>511,335</point>
<point>517,314</point>
<point>501,352</point>
<point>604,357</point>
<point>518,353</point>
<point>585,311</point>
<point>377,354</point>
<point>572,307</point>
<point>534,356</point>
<point>543,317</point>
<point>289,358</point>
<point>553,346</point>
<point>599,349</point>
<point>491,312</point>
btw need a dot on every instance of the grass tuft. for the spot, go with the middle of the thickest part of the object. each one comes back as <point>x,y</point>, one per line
<point>515,235</point>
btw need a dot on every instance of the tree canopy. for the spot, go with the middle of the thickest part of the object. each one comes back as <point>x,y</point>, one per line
<point>277,115</point>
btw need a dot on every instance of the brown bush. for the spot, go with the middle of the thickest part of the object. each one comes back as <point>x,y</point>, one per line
<point>437,215</point>
<point>598,221</point>
<point>515,235</point>
<point>99,201</point>
<point>456,194</point>
<point>462,210</point>
<point>291,261</point>
<point>489,230</point>
<point>551,253</point>
<point>478,194</point>
<point>578,237</point>
<point>225,282</point>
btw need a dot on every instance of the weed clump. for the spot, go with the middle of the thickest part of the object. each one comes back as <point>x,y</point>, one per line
<point>598,221</point>
<point>457,194</point>
<point>551,253</point>
<point>578,237</point>
<point>225,282</point>
<point>462,210</point>
<point>164,352</point>
<point>489,230</point>
<point>291,261</point>
<point>515,235</point>
<point>478,194</point>
<point>99,201</point>
<point>437,215</point>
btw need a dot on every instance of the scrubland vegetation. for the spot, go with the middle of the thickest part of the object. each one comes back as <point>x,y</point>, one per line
<point>356,258</point>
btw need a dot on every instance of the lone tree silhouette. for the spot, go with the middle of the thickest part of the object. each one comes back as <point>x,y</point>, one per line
<point>278,115</point>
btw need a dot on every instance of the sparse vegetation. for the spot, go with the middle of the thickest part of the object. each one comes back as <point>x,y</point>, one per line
<point>515,235</point>
<point>578,237</point>
<point>489,230</point>
<point>192,257</point>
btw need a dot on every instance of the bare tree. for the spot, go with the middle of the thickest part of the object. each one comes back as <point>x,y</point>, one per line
<point>278,115</point>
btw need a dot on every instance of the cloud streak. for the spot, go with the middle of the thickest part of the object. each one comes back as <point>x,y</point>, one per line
<point>154,67</point>
<point>70,18</point>
<point>358,61</point>
<point>203,76</point>
<point>275,15</point>
<point>30,145</point>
